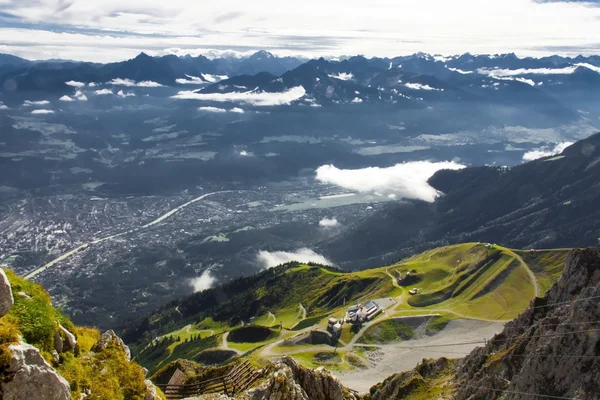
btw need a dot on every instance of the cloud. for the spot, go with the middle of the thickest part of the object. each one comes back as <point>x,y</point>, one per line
<point>237,110</point>
<point>42,112</point>
<point>418,86</point>
<point>328,223</point>
<point>357,100</point>
<point>66,98</point>
<point>92,84</point>
<point>131,83</point>
<point>546,151</point>
<point>191,80</point>
<point>343,76</point>
<point>29,103</point>
<point>536,71</point>
<point>203,282</point>
<point>214,78</point>
<point>270,259</point>
<point>253,98</point>
<point>75,84</point>
<point>408,180</point>
<point>3,106</point>
<point>104,92</point>
<point>213,109</point>
<point>123,94</point>
<point>460,71</point>
<point>79,95</point>
<point>245,153</point>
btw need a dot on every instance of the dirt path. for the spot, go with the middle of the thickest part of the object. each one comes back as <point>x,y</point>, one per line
<point>390,359</point>
<point>301,311</point>
<point>394,280</point>
<point>529,271</point>
<point>270,316</point>
<point>225,344</point>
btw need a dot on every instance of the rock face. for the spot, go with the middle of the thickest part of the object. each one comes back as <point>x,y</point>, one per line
<point>290,381</point>
<point>33,377</point>
<point>70,342</point>
<point>6,296</point>
<point>552,349</point>
<point>152,393</point>
<point>109,338</point>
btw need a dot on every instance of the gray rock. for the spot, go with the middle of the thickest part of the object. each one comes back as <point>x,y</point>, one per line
<point>24,295</point>
<point>33,377</point>
<point>6,296</point>
<point>110,337</point>
<point>55,357</point>
<point>152,393</point>
<point>70,342</point>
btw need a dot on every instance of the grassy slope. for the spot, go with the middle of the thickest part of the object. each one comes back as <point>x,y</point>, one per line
<point>462,281</point>
<point>107,373</point>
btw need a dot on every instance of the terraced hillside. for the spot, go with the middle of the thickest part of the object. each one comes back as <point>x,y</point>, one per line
<point>289,306</point>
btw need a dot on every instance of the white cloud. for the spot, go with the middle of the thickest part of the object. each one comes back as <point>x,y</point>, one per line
<point>371,28</point>
<point>3,106</point>
<point>357,100</point>
<point>343,76</point>
<point>42,112</point>
<point>237,110</point>
<point>536,71</point>
<point>104,92</point>
<point>270,259</point>
<point>131,83</point>
<point>203,282</point>
<point>66,98</point>
<point>253,98</point>
<point>214,78</point>
<point>408,180</point>
<point>546,151</point>
<point>92,84</point>
<point>123,94</point>
<point>245,153</point>
<point>29,103</point>
<point>75,84</point>
<point>460,71</point>
<point>191,80</point>
<point>79,95</point>
<point>418,86</point>
<point>213,109</point>
<point>328,222</point>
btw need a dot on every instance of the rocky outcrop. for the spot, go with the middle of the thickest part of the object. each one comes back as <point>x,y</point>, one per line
<point>70,340</point>
<point>151,391</point>
<point>290,381</point>
<point>110,338</point>
<point>552,349</point>
<point>6,296</point>
<point>31,377</point>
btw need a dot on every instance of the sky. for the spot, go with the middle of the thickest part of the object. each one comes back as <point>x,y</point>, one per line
<point>112,30</point>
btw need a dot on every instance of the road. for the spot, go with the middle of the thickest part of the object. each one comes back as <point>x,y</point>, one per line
<point>83,246</point>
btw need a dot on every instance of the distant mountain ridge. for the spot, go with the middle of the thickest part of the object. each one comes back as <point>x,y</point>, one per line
<point>547,203</point>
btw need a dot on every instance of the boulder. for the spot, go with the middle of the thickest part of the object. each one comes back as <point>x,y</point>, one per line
<point>110,338</point>
<point>58,342</point>
<point>6,296</point>
<point>70,342</point>
<point>33,377</point>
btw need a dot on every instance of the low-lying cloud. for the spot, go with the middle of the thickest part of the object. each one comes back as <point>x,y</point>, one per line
<point>404,181</point>
<point>214,78</point>
<point>418,86</point>
<point>272,259</point>
<point>30,103</point>
<point>104,92</point>
<point>344,76</point>
<point>328,222</point>
<point>66,98</point>
<point>3,106</point>
<point>42,112</point>
<point>537,71</point>
<point>132,83</point>
<point>75,84</point>
<point>546,151</point>
<point>203,282</point>
<point>190,80</point>
<point>259,99</point>
<point>123,94</point>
